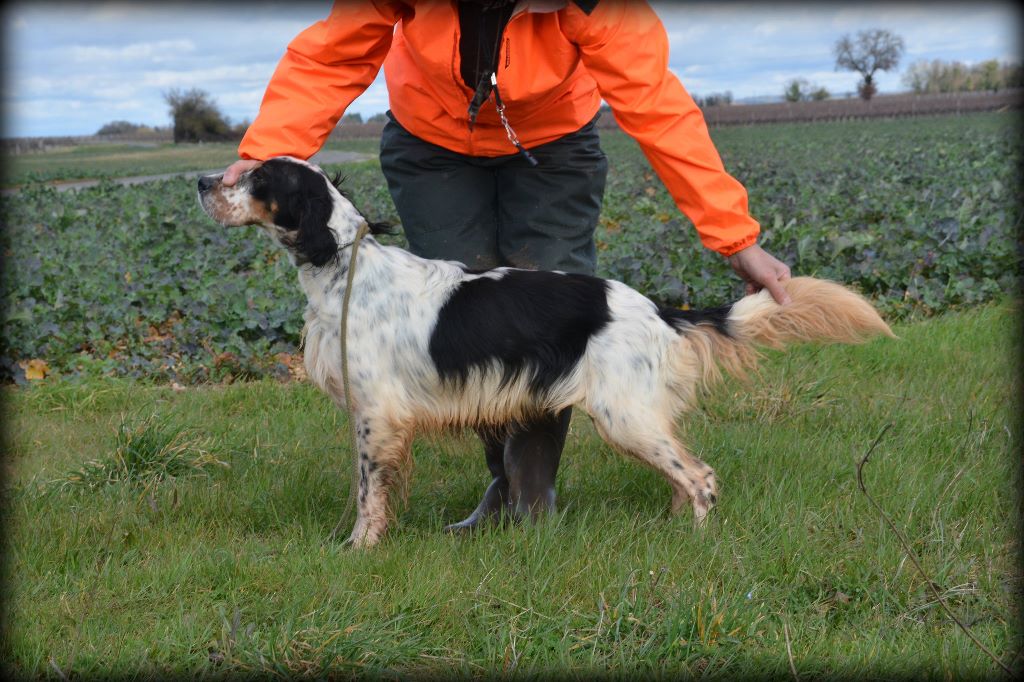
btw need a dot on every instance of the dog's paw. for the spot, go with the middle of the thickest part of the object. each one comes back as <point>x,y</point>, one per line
<point>705,498</point>
<point>362,538</point>
<point>702,504</point>
<point>701,493</point>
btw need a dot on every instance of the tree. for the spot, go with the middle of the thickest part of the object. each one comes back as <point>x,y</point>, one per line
<point>801,90</point>
<point>129,129</point>
<point>196,117</point>
<point>986,75</point>
<point>873,50</point>
<point>715,99</point>
<point>119,128</point>
<point>354,117</point>
<point>378,118</point>
<point>796,90</point>
<point>924,77</point>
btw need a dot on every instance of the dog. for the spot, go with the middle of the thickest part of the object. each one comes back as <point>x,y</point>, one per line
<point>432,344</point>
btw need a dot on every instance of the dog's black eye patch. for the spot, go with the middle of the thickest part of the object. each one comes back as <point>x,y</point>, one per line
<point>533,323</point>
<point>292,190</point>
<point>301,202</point>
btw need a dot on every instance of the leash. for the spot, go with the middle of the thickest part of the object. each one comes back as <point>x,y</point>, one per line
<point>349,279</point>
<point>483,94</point>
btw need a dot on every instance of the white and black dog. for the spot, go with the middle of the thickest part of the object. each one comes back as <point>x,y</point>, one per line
<point>433,345</point>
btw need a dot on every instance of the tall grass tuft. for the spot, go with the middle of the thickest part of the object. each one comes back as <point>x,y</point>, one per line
<point>146,452</point>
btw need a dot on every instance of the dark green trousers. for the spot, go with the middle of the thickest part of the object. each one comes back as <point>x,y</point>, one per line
<point>490,212</point>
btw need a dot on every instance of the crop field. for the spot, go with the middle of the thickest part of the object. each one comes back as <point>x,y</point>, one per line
<point>921,215</point>
<point>170,484</point>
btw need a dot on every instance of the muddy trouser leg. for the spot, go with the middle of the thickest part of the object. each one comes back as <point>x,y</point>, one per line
<point>501,211</point>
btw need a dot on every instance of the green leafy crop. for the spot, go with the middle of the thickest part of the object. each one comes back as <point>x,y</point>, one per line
<point>919,214</point>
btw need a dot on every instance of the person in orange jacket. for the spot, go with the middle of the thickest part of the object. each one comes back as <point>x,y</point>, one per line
<point>491,153</point>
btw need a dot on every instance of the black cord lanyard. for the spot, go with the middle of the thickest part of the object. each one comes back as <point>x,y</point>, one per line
<point>488,83</point>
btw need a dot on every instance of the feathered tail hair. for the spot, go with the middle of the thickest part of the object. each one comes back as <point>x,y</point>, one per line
<point>820,311</point>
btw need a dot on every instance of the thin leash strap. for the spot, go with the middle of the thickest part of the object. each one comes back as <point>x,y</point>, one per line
<point>349,279</point>
<point>511,134</point>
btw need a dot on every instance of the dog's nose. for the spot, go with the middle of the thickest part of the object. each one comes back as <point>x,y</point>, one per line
<point>207,181</point>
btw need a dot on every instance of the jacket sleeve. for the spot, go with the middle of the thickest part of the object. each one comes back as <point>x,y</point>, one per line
<point>323,70</point>
<point>623,45</point>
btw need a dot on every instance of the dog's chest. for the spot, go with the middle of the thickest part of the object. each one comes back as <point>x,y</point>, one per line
<point>390,320</point>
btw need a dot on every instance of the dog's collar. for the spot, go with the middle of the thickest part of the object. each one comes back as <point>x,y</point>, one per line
<point>363,230</point>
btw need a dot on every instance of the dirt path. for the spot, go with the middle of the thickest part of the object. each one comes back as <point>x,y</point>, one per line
<point>63,186</point>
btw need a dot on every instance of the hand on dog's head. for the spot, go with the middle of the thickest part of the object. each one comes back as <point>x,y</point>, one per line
<point>295,202</point>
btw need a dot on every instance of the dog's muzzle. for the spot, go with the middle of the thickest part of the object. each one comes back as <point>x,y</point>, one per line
<point>208,182</point>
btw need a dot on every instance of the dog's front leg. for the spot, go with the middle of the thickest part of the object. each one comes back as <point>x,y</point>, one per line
<point>384,458</point>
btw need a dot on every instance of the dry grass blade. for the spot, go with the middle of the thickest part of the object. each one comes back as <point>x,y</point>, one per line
<point>913,558</point>
<point>789,651</point>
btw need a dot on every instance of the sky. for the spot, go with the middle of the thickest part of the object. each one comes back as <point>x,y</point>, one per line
<point>69,68</point>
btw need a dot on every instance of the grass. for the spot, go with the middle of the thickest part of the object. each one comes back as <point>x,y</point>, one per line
<point>146,452</point>
<point>222,569</point>
<point>117,160</point>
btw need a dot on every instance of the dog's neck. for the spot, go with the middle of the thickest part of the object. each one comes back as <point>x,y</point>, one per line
<point>325,286</point>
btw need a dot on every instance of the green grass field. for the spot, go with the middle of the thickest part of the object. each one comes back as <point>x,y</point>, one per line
<point>154,531</point>
<point>117,160</point>
<point>115,567</point>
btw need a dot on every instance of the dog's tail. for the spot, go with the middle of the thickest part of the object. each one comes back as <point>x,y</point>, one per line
<point>820,311</point>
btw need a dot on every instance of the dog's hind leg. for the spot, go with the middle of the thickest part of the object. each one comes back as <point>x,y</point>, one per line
<point>643,437</point>
<point>384,459</point>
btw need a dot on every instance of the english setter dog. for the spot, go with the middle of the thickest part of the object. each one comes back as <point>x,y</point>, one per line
<point>433,345</point>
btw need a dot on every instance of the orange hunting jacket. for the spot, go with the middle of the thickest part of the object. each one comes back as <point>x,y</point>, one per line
<point>557,62</point>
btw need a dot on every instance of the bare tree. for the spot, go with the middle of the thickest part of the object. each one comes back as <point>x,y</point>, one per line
<point>873,50</point>
<point>196,117</point>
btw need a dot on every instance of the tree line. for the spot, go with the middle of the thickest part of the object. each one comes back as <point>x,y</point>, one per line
<point>937,76</point>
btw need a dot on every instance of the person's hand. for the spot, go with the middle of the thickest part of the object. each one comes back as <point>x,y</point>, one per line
<point>236,169</point>
<point>761,270</point>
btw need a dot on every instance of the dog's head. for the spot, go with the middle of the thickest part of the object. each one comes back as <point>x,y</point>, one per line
<point>293,201</point>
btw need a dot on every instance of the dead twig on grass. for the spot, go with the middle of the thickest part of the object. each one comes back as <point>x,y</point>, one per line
<point>789,651</point>
<point>913,558</point>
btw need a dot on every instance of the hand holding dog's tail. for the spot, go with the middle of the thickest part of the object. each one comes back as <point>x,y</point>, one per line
<point>726,338</point>
<point>820,311</point>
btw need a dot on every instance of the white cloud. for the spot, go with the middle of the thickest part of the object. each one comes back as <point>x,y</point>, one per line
<point>156,50</point>
<point>206,75</point>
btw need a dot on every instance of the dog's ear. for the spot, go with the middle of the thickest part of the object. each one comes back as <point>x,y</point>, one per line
<point>314,241</point>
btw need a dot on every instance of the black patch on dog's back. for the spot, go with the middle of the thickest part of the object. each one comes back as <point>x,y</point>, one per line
<point>682,320</point>
<point>530,322</point>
